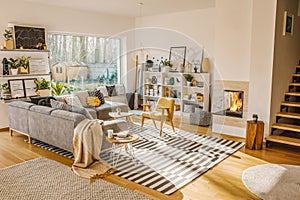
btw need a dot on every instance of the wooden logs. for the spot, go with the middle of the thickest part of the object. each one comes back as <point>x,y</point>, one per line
<point>254,134</point>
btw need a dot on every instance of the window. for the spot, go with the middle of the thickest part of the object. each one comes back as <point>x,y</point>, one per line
<point>89,61</point>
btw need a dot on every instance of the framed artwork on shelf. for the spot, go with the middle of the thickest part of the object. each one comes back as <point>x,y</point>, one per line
<point>16,88</point>
<point>177,57</point>
<point>29,87</point>
<point>288,24</point>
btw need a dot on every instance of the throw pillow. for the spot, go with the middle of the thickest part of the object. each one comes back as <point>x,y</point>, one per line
<point>111,90</point>
<point>79,110</point>
<point>99,94</point>
<point>82,95</point>
<point>93,101</point>
<point>103,90</point>
<point>73,100</point>
<point>58,104</point>
<point>120,89</point>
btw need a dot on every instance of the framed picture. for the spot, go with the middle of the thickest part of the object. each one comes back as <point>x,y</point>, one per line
<point>29,87</point>
<point>177,57</point>
<point>288,24</point>
<point>28,37</point>
<point>16,88</point>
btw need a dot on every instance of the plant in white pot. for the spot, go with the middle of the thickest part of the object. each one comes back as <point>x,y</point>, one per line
<point>42,87</point>
<point>13,65</point>
<point>166,65</point>
<point>24,65</point>
<point>188,78</point>
<point>8,43</point>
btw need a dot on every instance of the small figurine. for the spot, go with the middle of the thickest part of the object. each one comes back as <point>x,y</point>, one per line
<point>5,66</point>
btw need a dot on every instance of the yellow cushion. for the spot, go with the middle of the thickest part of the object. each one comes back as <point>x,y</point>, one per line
<point>93,101</point>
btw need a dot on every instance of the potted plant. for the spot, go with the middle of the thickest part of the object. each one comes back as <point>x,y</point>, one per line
<point>5,91</point>
<point>57,88</point>
<point>167,65</point>
<point>8,43</point>
<point>24,65</point>
<point>188,78</point>
<point>42,87</point>
<point>13,65</point>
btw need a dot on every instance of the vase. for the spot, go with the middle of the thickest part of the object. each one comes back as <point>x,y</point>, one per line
<point>14,71</point>
<point>44,93</point>
<point>205,65</point>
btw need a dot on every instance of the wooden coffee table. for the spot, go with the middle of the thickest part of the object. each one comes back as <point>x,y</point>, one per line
<point>119,144</point>
<point>126,115</point>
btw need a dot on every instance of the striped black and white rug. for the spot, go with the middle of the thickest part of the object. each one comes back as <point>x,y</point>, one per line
<point>169,162</point>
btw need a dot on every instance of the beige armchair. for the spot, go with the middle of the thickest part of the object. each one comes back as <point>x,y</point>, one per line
<point>164,111</point>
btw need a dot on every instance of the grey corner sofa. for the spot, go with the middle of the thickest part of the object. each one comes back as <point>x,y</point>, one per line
<point>53,126</point>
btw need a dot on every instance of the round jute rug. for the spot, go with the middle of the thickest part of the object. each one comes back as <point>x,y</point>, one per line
<point>273,181</point>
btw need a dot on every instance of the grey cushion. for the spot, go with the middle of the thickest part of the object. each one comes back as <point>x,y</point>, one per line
<point>80,110</point>
<point>58,105</point>
<point>111,90</point>
<point>82,95</point>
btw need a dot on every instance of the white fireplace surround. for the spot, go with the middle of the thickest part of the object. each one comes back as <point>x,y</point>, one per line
<point>227,124</point>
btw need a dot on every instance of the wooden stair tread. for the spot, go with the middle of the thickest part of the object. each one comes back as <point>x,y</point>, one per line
<point>292,104</point>
<point>284,140</point>
<point>292,93</point>
<point>297,75</point>
<point>294,84</point>
<point>288,115</point>
<point>287,127</point>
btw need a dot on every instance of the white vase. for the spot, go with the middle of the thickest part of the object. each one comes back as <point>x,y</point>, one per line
<point>14,71</point>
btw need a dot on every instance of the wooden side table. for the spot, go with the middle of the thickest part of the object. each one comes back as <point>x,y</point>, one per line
<point>119,144</point>
<point>254,134</point>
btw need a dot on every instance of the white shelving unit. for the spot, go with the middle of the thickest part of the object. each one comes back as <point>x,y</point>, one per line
<point>174,85</point>
<point>40,69</point>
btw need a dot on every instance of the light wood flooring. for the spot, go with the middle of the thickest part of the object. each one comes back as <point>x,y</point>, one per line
<point>221,182</point>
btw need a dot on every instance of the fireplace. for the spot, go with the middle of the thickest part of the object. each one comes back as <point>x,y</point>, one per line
<point>233,103</point>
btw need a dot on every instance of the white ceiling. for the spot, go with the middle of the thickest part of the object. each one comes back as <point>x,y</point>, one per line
<point>130,7</point>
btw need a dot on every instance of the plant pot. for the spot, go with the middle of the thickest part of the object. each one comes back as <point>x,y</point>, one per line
<point>22,70</point>
<point>13,71</point>
<point>44,93</point>
<point>8,44</point>
<point>188,83</point>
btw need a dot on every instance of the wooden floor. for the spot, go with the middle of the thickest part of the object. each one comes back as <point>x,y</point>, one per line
<point>221,182</point>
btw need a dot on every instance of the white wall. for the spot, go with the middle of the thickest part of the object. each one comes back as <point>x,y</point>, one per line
<point>62,19</point>
<point>198,25</point>
<point>232,39</point>
<point>262,55</point>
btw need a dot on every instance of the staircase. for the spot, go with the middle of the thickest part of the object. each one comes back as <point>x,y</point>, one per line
<point>286,130</point>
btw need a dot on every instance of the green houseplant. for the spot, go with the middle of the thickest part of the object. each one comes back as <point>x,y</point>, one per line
<point>42,87</point>
<point>58,88</point>
<point>13,65</point>
<point>188,78</point>
<point>24,64</point>
<point>8,43</point>
<point>5,91</point>
<point>166,65</point>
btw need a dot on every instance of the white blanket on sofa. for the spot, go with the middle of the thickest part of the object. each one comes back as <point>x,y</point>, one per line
<point>87,142</point>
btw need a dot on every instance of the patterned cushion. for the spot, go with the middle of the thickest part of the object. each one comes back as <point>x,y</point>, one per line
<point>111,90</point>
<point>58,104</point>
<point>73,100</point>
<point>99,94</point>
<point>63,106</point>
<point>103,90</point>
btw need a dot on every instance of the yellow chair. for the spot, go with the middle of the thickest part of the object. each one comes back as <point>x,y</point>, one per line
<point>164,111</point>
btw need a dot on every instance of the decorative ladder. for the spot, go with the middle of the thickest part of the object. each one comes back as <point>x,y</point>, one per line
<point>288,119</point>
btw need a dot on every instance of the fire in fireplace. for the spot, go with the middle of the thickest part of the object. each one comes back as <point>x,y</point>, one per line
<point>234,103</point>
